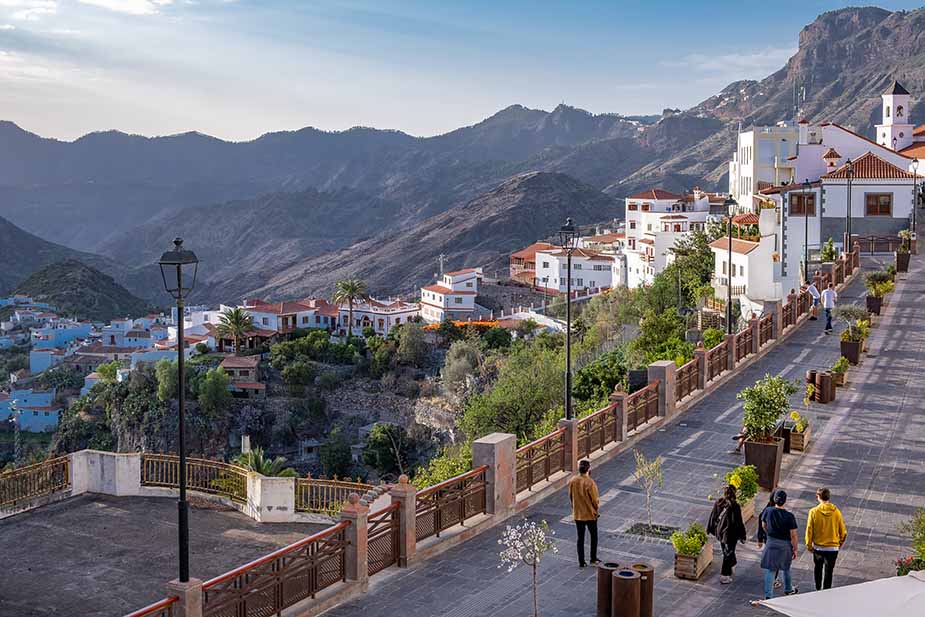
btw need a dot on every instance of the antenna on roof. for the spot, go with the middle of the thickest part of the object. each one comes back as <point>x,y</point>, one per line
<point>442,259</point>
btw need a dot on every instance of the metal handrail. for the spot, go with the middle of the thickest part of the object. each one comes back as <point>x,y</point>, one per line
<point>161,608</point>
<point>446,483</point>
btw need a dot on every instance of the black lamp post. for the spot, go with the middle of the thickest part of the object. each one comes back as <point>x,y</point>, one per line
<point>568,241</point>
<point>915,191</point>
<point>849,171</point>
<point>806,187</point>
<point>175,266</point>
<point>730,205</point>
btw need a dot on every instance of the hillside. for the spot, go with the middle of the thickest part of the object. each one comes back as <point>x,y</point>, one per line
<point>482,232</point>
<point>77,289</point>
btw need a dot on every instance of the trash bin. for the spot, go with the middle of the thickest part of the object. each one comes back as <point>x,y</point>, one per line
<point>646,588</point>
<point>625,593</point>
<point>604,587</point>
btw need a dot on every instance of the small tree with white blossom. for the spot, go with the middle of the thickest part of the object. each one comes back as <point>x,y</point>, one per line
<point>525,544</point>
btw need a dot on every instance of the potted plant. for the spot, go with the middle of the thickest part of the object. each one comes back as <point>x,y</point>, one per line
<point>745,479</point>
<point>891,270</point>
<point>902,252</point>
<point>765,403</point>
<point>799,435</point>
<point>878,285</point>
<point>851,338</point>
<point>863,326</point>
<point>693,552</point>
<point>828,253</point>
<point>839,370</point>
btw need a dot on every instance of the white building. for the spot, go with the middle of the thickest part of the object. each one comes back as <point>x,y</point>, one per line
<point>451,298</point>
<point>754,271</point>
<point>380,315</point>
<point>591,270</point>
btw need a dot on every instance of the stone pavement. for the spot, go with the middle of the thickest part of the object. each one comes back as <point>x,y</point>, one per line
<point>868,447</point>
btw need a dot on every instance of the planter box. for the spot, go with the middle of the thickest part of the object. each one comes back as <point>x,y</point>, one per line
<point>839,378</point>
<point>799,441</point>
<point>902,262</point>
<point>748,511</point>
<point>873,304</point>
<point>692,568</point>
<point>851,351</point>
<point>766,457</point>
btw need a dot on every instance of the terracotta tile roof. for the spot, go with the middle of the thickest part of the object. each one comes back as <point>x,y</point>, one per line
<point>248,385</point>
<point>674,217</point>
<point>831,153</point>
<point>583,253</point>
<point>240,362</point>
<point>463,271</point>
<point>859,136</point>
<point>749,218</point>
<point>605,238</point>
<point>647,241</point>
<point>438,289</point>
<point>786,188</point>
<point>743,247</point>
<point>915,151</point>
<point>872,167</point>
<point>260,333</point>
<point>530,251</point>
<point>919,130</point>
<point>655,194</point>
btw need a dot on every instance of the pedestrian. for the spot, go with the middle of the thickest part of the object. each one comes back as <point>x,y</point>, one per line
<point>763,538</point>
<point>781,548</point>
<point>726,525</point>
<point>825,535</point>
<point>829,298</point>
<point>814,292</point>
<point>582,493</point>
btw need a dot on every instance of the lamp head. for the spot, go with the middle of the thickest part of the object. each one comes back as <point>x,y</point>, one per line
<point>177,266</point>
<point>568,236</point>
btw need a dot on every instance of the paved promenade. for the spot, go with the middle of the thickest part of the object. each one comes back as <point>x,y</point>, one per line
<point>868,447</point>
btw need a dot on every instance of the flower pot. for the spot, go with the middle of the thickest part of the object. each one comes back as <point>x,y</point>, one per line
<point>852,351</point>
<point>748,511</point>
<point>766,457</point>
<point>839,378</point>
<point>799,441</point>
<point>873,304</point>
<point>902,262</point>
<point>691,568</point>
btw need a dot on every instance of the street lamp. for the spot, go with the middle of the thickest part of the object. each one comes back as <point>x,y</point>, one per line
<point>915,192</point>
<point>568,241</point>
<point>730,205</point>
<point>806,187</point>
<point>177,265</point>
<point>849,172</point>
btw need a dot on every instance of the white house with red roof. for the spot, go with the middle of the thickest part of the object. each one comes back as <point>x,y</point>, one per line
<point>244,373</point>
<point>380,315</point>
<point>752,272</point>
<point>523,262</point>
<point>453,297</point>
<point>592,271</point>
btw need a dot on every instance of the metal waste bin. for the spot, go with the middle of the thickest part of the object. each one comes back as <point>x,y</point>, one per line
<point>604,587</point>
<point>646,588</point>
<point>624,598</point>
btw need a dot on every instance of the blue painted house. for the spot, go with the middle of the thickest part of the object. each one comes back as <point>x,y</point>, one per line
<point>36,411</point>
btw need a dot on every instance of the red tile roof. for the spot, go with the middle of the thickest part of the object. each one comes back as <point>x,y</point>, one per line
<point>674,217</point>
<point>831,153</point>
<point>530,251</point>
<point>743,247</point>
<point>439,289</point>
<point>872,167</point>
<point>859,136</point>
<point>915,151</point>
<point>583,253</point>
<point>655,194</point>
<point>786,188</point>
<point>919,130</point>
<point>458,272</point>
<point>248,385</point>
<point>605,238</point>
<point>749,218</point>
<point>240,362</point>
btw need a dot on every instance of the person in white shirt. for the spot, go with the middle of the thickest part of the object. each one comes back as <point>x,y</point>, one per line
<point>829,298</point>
<point>811,290</point>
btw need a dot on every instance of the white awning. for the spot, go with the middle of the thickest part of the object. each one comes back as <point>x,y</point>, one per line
<point>897,596</point>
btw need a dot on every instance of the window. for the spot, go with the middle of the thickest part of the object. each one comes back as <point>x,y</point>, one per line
<point>244,373</point>
<point>677,227</point>
<point>264,320</point>
<point>741,270</point>
<point>724,267</point>
<point>397,320</point>
<point>649,227</point>
<point>878,204</point>
<point>577,266</point>
<point>802,205</point>
<point>304,318</point>
<point>665,226</point>
<point>633,207</point>
<point>645,207</point>
<point>887,113</point>
<point>457,300</point>
<point>591,283</point>
<point>545,264</point>
<point>317,318</point>
<point>580,282</point>
<point>598,267</point>
<point>632,224</point>
<point>469,284</point>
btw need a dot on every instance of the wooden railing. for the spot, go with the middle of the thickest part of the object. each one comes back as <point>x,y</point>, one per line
<point>687,379</point>
<point>743,343</point>
<point>450,503</point>
<point>202,475</point>
<point>325,496</point>
<point>717,361</point>
<point>540,459</point>
<point>878,244</point>
<point>641,406</point>
<point>33,481</point>
<point>788,312</point>
<point>162,608</point>
<point>597,430</point>
<point>382,538</point>
<point>764,330</point>
<point>268,585</point>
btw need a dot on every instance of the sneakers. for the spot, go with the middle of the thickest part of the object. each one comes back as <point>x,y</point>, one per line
<point>791,592</point>
<point>725,580</point>
<point>778,583</point>
<point>594,562</point>
<point>582,565</point>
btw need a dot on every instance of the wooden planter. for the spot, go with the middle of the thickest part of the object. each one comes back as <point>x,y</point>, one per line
<point>839,378</point>
<point>766,457</point>
<point>799,441</point>
<point>692,568</point>
<point>902,262</point>
<point>873,304</point>
<point>748,511</point>
<point>851,351</point>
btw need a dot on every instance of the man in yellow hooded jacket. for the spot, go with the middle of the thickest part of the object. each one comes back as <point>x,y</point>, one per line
<point>825,535</point>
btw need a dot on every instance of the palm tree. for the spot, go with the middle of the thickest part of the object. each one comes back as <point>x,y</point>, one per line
<point>255,460</point>
<point>349,291</point>
<point>235,323</point>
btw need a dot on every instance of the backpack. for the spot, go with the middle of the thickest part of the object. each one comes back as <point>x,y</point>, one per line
<point>724,522</point>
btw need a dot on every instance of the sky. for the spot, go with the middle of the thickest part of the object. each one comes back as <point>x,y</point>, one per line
<point>237,69</point>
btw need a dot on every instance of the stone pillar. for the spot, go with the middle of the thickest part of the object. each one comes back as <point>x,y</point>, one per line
<point>618,400</point>
<point>792,300</point>
<point>777,310</point>
<point>189,597</point>
<point>731,351</point>
<point>406,494</point>
<point>499,452</point>
<point>756,333</point>
<point>356,559</point>
<point>571,443</point>
<point>700,354</point>
<point>665,372</point>
<point>271,500</point>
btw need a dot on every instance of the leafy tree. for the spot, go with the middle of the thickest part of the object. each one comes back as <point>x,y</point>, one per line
<point>382,358</point>
<point>462,361</point>
<point>60,377</point>
<point>109,371</point>
<point>166,373</point>
<point>661,337</point>
<point>328,381</point>
<point>496,338</point>
<point>765,402</point>
<point>298,375</point>
<point>336,459</point>
<point>595,381</point>
<point>212,392</point>
<point>452,462</point>
<point>235,324</point>
<point>526,327</point>
<point>412,346</point>
<point>349,291</point>
<point>449,332</point>
<point>650,478</point>
<point>713,337</point>
<point>369,332</point>
<point>387,448</point>
<point>202,349</point>
<point>255,460</point>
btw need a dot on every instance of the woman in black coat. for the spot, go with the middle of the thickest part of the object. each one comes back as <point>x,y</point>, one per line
<point>727,527</point>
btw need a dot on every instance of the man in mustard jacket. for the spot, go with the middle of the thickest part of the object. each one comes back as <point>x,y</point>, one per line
<point>825,535</point>
<point>582,492</point>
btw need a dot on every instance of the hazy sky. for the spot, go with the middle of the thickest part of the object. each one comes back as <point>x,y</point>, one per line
<point>239,68</point>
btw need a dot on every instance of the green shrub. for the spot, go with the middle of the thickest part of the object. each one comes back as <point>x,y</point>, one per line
<point>745,480</point>
<point>828,252</point>
<point>841,365</point>
<point>713,337</point>
<point>765,403</point>
<point>689,542</point>
<point>328,381</point>
<point>451,463</point>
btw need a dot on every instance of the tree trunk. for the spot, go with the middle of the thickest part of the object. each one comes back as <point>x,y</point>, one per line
<point>536,604</point>
<point>350,319</point>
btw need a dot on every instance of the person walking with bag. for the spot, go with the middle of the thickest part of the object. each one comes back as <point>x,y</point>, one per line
<point>825,535</point>
<point>781,548</point>
<point>726,525</point>
<point>582,493</point>
<point>829,298</point>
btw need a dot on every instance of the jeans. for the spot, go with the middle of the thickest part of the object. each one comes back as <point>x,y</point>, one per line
<point>828,319</point>
<point>769,576</point>
<point>729,558</point>
<point>591,526</point>
<point>824,562</point>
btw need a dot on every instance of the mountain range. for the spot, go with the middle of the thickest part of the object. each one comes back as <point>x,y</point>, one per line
<point>291,211</point>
